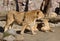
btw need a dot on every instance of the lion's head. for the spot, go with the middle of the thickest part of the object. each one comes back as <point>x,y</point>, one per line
<point>40,14</point>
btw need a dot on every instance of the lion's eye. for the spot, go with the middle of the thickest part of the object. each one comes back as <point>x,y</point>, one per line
<point>37,13</point>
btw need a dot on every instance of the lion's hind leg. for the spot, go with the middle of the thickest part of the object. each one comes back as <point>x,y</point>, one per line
<point>33,28</point>
<point>8,23</point>
<point>23,29</point>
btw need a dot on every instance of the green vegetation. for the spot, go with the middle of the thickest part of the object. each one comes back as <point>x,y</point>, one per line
<point>6,34</point>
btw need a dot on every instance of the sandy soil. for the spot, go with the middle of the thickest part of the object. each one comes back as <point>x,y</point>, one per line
<point>42,36</point>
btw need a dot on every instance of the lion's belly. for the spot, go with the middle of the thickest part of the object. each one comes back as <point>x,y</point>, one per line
<point>19,18</point>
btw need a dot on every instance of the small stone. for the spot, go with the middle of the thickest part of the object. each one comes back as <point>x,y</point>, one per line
<point>52,25</point>
<point>11,31</point>
<point>2,23</point>
<point>9,38</point>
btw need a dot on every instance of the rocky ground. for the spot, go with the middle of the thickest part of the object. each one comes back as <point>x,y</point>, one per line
<point>41,36</point>
<point>11,35</point>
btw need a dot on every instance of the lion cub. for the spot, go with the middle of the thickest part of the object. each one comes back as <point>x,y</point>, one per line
<point>28,19</point>
<point>46,26</point>
<point>13,16</point>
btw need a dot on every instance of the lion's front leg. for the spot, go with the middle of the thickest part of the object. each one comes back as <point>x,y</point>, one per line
<point>23,29</point>
<point>35,27</point>
<point>32,31</point>
<point>6,28</point>
<point>32,27</point>
<point>8,23</point>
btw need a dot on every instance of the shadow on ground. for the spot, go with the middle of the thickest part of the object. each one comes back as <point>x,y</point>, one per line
<point>1,29</point>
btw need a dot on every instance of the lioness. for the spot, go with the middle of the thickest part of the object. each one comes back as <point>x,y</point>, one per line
<point>28,19</point>
<point>13,16</point>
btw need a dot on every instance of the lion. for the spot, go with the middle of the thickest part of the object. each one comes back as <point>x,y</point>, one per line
<point>11,17</point>
<point>31,17</point>
<point>28,19</point>
<point>46,27</point>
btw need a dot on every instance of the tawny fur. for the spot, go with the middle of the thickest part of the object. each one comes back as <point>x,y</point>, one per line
<point>46,26</point>
<point>13,16</point>
<point>29,20</point>
<point>31,17</point>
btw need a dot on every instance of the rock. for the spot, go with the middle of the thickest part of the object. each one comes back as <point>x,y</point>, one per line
<point>51,15</point>
<point>16,37</point>
<point>9,38</point>
<point>1,35</point>
<point>19,37</point>
<point>52,25</point>
<point>58,24</point>
<point>16,27</point>
<point>33,4</point>
<point>1,29</point>
<point>2,23</point>
<point>11,31</point>
<point>55,4</point>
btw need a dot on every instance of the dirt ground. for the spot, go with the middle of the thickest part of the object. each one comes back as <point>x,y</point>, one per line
<point>42,36</point>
